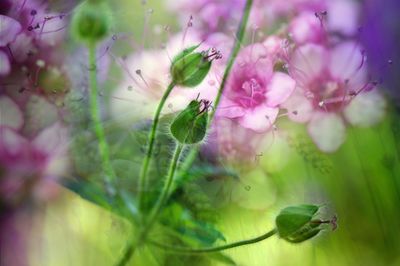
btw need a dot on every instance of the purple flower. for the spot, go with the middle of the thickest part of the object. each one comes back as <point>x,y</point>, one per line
<point>26,28</point>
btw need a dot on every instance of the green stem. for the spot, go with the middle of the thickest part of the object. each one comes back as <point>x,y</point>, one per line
<point>156,210</point>
<point>151,140</point>
<point>239,38</point>
<point>189,160</point>
<point>95,114</point>
<point>165,191</point>
<point>185,250</point>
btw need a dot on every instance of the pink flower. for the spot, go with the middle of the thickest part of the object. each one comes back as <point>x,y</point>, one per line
<point>254,91</point>
<point>332,88</point>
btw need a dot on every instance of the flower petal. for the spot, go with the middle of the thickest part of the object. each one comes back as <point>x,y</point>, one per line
<point>53,141</point>
<point>308,62</point>
<point>343,16</point>
<point>366,109</point>
<point>280,88</point>
<point>259,119</point>
<point>299,107</point>
<point>5,66</point>
<point>229,109</point>
<point>327,131</point>
<point>346,59</point>
<point>10,114</point>
<point>21,47</point>
<point>9,28</point>
<point>306,28</point>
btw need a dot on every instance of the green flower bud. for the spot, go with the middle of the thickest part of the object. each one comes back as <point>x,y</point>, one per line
<point>298,223</point>
<point>190,125</point>
<point>189,68</point>
<point>92,21</point>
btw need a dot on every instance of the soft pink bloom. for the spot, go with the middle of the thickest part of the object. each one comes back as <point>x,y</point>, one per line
<point>332,88</point>
<point>254,91</point>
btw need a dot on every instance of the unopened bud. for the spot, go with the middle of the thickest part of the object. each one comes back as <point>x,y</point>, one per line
<point>299,223</point>
<point>91,21</point>
<point>190,126</point>
<point>189,68</point>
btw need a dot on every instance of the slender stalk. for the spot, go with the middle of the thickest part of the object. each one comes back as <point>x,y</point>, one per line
<point>164,193</point>
<point>95,114</point>
<point>156,210</point>
<point>189,160</point>
<point>151,140</point>
<point>177,249</point>
<point>239,38</point>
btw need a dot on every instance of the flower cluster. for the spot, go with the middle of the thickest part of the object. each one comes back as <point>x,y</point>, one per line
<point>33,138</point>
<point>311,69</point>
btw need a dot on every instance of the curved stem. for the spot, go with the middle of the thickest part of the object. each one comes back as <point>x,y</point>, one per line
<point>152,137</point>
<point>189,160</point>
<point>156,210</point>
<point>214,249</point>
<point>95,115</point>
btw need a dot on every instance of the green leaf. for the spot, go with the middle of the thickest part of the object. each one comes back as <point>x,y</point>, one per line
<point>189,229</point>
<point>226,260</point>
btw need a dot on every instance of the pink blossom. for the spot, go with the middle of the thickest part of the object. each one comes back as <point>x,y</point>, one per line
<point>332,88</point>
<point>254,91</point>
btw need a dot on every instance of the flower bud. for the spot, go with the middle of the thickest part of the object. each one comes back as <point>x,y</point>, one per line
<point>189,68</point>
<point>190,125</point>
<point>298,223</point>
<point>91,21</point>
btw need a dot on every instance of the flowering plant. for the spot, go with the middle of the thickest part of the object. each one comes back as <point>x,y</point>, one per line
<point>166,138</point>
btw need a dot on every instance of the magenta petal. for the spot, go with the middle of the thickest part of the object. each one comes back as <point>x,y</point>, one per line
<point>259,119</point>
<point>280,88</point>
<point>9,29</point>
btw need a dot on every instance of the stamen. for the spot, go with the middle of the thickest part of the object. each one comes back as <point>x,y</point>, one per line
<point>188,25</point>
<point>139,73</point>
